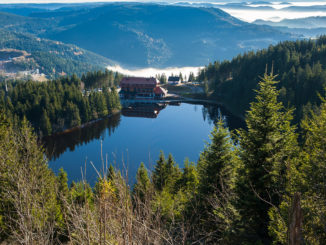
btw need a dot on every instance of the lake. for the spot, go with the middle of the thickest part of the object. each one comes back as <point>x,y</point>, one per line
<point>135,135</point>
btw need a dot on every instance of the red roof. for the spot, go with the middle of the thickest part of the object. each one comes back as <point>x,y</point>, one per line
<point>159,90</point>
<point>139,80</point>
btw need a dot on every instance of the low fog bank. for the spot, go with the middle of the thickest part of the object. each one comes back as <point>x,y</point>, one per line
<point>152,72</point>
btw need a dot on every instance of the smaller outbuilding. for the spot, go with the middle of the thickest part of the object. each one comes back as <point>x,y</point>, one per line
<point>174,80</point>
<point>160,92</point>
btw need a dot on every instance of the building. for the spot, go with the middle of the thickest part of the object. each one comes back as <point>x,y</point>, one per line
<point>174,80</point>
<point>160,92</point>
<point>141,87</point>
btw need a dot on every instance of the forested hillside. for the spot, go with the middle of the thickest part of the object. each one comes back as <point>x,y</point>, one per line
<point>142,35</point>
<point>59,104</point>
<point>300,67</point>
<point>257,186</point>
<point>51,57</point>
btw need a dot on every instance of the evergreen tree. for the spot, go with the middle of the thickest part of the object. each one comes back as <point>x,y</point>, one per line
<point>307,177</point>
<point>46,127</point>
<point>63,189</point>
<point>28,187</point>
<point>217,169</point>
<point>111,173</point>
<point>189,179</point>
<point>172,174</point>
<point>267,147</point>
<point>313,176</point>
<point>159,173</point>
<point>143,184</point>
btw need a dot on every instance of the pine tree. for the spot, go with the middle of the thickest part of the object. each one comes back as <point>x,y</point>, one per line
<point>189,179</point>
<point>111,173</point>
<point>217,169</point>
<point>267,148</point>
<point>159,173</point>
<point>307,177</point>
<point>143,184</point>
<point>62,199</point>
<point>62,180</point>
<point>172,174</point>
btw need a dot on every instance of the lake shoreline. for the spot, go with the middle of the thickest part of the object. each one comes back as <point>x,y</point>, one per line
<point>65,131</point>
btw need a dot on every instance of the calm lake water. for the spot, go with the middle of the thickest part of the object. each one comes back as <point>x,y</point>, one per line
<point>135,135</point>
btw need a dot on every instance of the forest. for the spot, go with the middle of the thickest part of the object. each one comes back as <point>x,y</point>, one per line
<point>257,185</point>
<point>52,58</point>
<point>301,69</point>
<point>62,103</point>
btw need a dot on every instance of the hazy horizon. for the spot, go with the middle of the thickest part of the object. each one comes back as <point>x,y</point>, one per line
<point>277,12</point>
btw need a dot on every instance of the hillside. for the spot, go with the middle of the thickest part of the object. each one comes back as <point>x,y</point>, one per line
<point>309,23</point>
<point>142,35</point>
<point>52,58</point>
<point>300,67</point>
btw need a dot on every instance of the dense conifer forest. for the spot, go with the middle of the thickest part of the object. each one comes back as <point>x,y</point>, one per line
<point>301,69</point>
<point>63,103</point>
<point>252,186</point>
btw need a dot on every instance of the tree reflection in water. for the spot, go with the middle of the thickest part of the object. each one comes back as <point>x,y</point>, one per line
<point>57,144</point>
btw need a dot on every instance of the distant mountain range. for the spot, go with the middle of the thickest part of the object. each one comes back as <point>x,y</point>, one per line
<point>308,23</point>
<point>307,27</point>
<point>145,35</point>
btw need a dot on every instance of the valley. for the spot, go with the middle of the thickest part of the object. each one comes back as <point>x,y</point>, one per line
<point>198,122</point>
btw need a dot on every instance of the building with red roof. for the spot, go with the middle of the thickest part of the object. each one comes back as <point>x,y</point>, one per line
<point>141,87</point>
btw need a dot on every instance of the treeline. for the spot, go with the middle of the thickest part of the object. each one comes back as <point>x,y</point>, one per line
<point>56,105</point>
<point>300,65</point>
<point>100,79</point>
<point>253,186</point>
<point>183,78</point>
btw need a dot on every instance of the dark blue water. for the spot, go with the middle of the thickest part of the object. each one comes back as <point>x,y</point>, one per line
<point>136,135</point>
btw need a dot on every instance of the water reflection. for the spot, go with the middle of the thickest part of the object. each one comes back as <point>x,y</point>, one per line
<point>212,113</point>
<point>57,144</point>
<point>143,110</point>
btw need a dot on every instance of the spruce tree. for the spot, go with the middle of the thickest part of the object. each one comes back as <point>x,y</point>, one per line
<point>267,147</point>
<point>159,173</point>
<point>308,178</point>
<point>217,168</point>
<point>143,184</point>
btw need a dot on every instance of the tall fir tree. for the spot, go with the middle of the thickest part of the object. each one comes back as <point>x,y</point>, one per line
<point>217,169</point>
<point>143,184</point>
<point>159,173</point>
<point>267,148</point>
<point>308,178</point>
